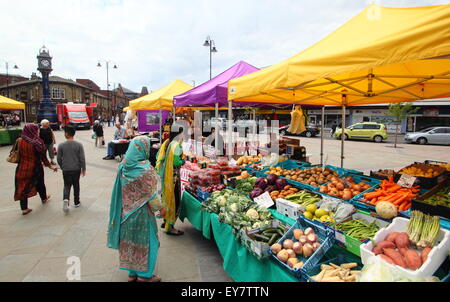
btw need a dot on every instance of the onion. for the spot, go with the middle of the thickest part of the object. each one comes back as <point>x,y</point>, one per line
<point>298,265</point>
<point>307,250</point>
<point>316,245</point>
<point>297,233</point>
<point>347,195</point>
<point>309,231</point>
<point>291,253</point>
<point>303,239</point>
<point>288,244</point>
<point>283,255</point>
<point>357,188</point>
<point>292,262</point>
<point>276,248</point>
<point>298,248</point>
<point>311,238</point>
<point>340,186</point>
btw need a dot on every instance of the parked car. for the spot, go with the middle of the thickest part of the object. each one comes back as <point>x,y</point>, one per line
<point>311,131</point>
<point>431,135</point>
<point>364,131</point>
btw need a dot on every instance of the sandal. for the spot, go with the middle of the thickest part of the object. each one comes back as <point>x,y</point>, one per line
<point>47,199</point>
<point>175,233</point>
<point>27,211</point>
<point>152,279</point>
<point>132,278</point>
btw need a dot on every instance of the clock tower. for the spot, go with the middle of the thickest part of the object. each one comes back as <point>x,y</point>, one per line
<point>47,110</point>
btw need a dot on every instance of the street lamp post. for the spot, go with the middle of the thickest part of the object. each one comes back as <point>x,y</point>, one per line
<point>107,62</point>
<point>212,48</point>
<point>7,76</point>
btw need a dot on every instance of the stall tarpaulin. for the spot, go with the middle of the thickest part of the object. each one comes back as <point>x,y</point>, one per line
<point>161,98</point>
<point>382,55</point>
<point>149,120</point>
<point>213,91</point>
<point>10,104</point>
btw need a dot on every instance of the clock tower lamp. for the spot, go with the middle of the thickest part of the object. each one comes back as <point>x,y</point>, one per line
<point>47,110</point>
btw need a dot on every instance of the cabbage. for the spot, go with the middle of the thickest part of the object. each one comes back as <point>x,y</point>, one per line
<point>256,192</point>
<point>271,179</point>
<point>261,183</point>
<point>280,183</point>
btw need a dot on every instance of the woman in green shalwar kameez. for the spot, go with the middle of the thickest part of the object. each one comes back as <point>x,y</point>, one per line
<point>132,225</point>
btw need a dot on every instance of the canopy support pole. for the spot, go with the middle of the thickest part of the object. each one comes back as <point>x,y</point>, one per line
<point>160,126</point>
<point>321,135</point>
<point>216,132</point>
<point>230,130</point>
<point>344,103</point>
<point>25,115</point>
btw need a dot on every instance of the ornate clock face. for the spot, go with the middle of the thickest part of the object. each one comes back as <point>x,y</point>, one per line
<point>45,63</point>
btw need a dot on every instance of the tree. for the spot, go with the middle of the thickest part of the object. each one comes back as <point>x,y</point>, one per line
<point>400,111</point>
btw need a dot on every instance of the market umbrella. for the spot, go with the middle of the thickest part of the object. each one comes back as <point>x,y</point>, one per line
<point>382,55</point>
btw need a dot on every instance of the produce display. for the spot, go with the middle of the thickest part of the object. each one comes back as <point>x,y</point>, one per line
<point>244,174</point>
<point>358,228</point>
<point>423,229</point>
<point>441,198</point>
<point>257,167</point>
<point>245,160</point>
<point>237,210</point>
<point>337,273</point>
<point>213,188</point>
<point>344,188</point>
<point>312,176</point>
<point>303,198</point>
<point>336,209</point>
<point>422,170</point>
<point>392,193</point>
<point>268,184</point>
<point>245,185</point>
<point>305,244</point>
<point>385,173</point>
<point>445,166</point>
<point>268,234</point>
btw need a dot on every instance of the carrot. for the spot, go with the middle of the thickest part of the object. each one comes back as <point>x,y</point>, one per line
<point>408,205</point>
<point>400,200</point>
<point>402,206</point>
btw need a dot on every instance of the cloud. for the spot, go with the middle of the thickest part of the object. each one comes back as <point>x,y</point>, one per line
<point>155,42</point>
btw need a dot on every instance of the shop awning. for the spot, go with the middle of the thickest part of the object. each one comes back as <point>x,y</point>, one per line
<point>161,98</point>
<point>7,103</point>
<point>215,90</point>
<point>382,55</point>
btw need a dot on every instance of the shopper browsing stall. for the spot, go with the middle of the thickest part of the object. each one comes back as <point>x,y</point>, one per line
<point>168,163</point>
<point>132,225</point>
<point>120,133</point>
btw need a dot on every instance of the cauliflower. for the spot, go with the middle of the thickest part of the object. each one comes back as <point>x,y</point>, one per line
<point>257,224</point>
<point>222,201</point>
<point>252,214</point>
<point>234,207</point>
<point>386,210</point>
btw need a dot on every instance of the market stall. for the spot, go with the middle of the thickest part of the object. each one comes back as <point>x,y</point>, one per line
<point>344,226</point>
<point>9,135</point>
<point>351,67</point>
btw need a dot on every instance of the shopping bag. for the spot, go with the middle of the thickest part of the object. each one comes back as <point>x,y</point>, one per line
<point>94,136</point>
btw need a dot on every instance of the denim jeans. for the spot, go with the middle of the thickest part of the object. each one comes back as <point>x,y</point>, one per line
<point>110,149</point>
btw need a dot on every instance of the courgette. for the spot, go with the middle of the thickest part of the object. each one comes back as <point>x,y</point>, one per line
<point>273,239</point>
<point>262,237</point>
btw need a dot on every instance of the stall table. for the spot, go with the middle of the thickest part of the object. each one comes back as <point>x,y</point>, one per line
<point>9,136</point>
<point>120,148</point>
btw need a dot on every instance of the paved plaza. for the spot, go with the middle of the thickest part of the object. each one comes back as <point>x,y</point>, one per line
<point>36,247</point>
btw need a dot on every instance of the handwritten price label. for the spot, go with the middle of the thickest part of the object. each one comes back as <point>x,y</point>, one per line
<point>406,181</point>
<point>264,200</point>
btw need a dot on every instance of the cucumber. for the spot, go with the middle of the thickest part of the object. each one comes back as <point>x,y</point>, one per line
<point>274,239</point>
<point>268,233</point>
<point>280,232</point>
<point>262,237</point>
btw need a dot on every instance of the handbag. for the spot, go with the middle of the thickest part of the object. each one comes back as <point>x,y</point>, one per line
<point>14,156</point>
<point>94,136</point>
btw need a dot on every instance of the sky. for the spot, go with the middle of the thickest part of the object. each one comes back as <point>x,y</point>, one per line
<point>155,42</point>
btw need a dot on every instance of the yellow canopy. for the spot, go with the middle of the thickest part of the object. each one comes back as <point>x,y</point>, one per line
<point>382,55</point>
<point>126,109</point>
<point>7,103</point>
<point>161,98</point>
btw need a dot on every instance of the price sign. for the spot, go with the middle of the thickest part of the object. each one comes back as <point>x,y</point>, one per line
<point>184,178</point>
<point>406,181</point>
<point>264,200</point>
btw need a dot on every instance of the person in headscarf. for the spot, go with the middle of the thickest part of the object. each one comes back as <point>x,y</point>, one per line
<point>132,225</point>
<point>98,130</point>
<point>29,178</point>
<point>168,162</point>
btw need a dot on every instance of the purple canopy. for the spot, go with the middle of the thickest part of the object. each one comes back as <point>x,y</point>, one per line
<point>215,90</point>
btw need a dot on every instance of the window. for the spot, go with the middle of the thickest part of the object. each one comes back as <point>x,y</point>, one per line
<point>439,130</point>
<point>369,126</point>
<point>358,126</point>
<point>58,93</point>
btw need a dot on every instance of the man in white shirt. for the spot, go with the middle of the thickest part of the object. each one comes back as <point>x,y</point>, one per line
<point>120,133</point>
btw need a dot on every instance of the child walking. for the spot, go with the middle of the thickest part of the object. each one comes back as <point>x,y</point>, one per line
<point>72,162</point>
